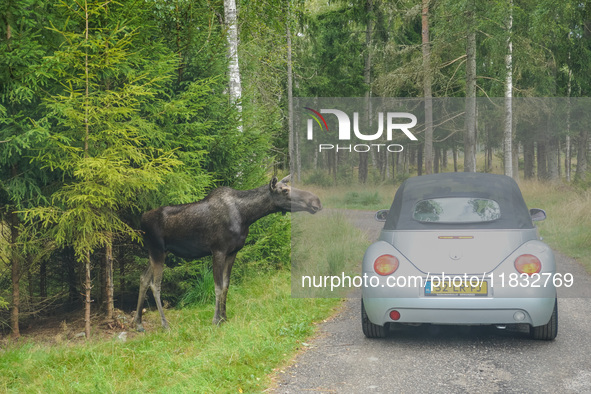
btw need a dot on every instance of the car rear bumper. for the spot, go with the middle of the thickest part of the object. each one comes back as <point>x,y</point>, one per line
<point>460,310</point>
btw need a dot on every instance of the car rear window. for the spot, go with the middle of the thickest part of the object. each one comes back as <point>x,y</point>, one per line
<point>456,210</point>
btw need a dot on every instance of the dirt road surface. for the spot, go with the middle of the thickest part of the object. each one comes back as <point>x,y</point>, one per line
<point>446,358</point>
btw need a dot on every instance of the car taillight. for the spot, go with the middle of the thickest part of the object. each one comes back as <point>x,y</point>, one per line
<point>528,264</point>
<point>386,264</point>
<point>394,315</point>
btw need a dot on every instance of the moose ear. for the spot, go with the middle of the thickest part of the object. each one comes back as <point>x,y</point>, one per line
<point>286,179</point>
<point>273,183</point>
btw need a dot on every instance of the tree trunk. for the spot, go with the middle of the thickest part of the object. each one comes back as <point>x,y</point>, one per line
<point>528,159</point>
<point>427,82</point>
<point>15,276</point>
<point>515,157</point>
<point>87,297</point>
<point>508,133</point>
<point>567,158</point>
<point>419,160</point>
<point>553,158</point>
<point>455,157</point>
<point>488,148</point>
<point>542,160</point>
<point>109,281</point>
<point>583,146</point>
<point>470,120</point>
<point>364,156</point>
<point>294,154</point>
<point>231,20</point>
<point>406,162</point>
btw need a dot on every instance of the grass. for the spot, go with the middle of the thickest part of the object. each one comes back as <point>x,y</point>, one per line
<point>568,225</point>
<point>369,198</point>
<point>340,252</point>
<point>265,330</point>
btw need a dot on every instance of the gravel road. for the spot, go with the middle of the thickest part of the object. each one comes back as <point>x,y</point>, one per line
<point>446,358</point>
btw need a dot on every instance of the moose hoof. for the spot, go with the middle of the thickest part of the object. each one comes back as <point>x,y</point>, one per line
<point>140,328</point>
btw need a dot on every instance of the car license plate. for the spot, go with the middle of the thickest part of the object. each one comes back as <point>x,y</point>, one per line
<point>465,288</point>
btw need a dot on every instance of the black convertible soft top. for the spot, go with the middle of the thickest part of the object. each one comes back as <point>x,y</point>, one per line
<point>500,188</point>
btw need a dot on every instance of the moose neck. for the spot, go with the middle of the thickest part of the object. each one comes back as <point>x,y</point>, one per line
<point>254,204</point>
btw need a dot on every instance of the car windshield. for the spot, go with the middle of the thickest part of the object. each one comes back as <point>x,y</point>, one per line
<point>456,210</point>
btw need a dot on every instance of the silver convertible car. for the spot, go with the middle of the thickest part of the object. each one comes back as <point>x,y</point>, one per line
<point>459,249</point>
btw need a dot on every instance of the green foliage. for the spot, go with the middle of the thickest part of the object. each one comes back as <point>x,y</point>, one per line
<point>201,289</point>
<point>267,247</point>
<point>330,54</point>
<point>319,178</point>
<point>566,228</point>
<point>95,131</point>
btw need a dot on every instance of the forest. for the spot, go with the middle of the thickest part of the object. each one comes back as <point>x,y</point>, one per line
<point>109,108</point>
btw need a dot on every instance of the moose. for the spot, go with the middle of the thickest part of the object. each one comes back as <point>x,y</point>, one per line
<point>216,226</point>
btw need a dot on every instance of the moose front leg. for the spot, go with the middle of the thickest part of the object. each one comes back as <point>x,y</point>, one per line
<point>222,267</point>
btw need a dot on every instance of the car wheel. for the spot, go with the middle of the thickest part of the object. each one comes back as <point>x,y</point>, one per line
<point>369,329</point>
<point>548,331</point>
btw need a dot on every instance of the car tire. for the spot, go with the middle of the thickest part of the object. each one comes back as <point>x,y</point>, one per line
<point>548,331</point>
<point>369,329</point>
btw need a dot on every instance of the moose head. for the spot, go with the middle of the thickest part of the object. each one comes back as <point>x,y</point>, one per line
<point>290,199</point>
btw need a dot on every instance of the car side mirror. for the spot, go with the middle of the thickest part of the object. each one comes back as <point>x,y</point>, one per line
<point>537,214</point>
<point>382,214</point>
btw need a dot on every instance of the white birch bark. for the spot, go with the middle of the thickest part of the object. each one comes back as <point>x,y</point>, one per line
<point>508,134</point>
<point>235,86</point>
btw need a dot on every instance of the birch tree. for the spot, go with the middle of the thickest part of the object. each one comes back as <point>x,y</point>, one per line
<point>231,21</point>
<point>508,124</point>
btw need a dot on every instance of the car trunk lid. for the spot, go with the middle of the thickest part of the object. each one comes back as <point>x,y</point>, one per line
<point>454,252</point>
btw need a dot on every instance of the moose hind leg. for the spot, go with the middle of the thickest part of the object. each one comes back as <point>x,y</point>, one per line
<point>145,280</point>
<point>156,285</point>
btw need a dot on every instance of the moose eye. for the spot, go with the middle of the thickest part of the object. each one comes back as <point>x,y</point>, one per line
<point>285,192</point>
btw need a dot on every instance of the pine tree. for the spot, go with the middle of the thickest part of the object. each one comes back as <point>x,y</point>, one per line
<point>96,134</point>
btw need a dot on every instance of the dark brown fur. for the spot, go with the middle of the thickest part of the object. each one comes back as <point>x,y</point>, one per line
<point>218,226</point>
